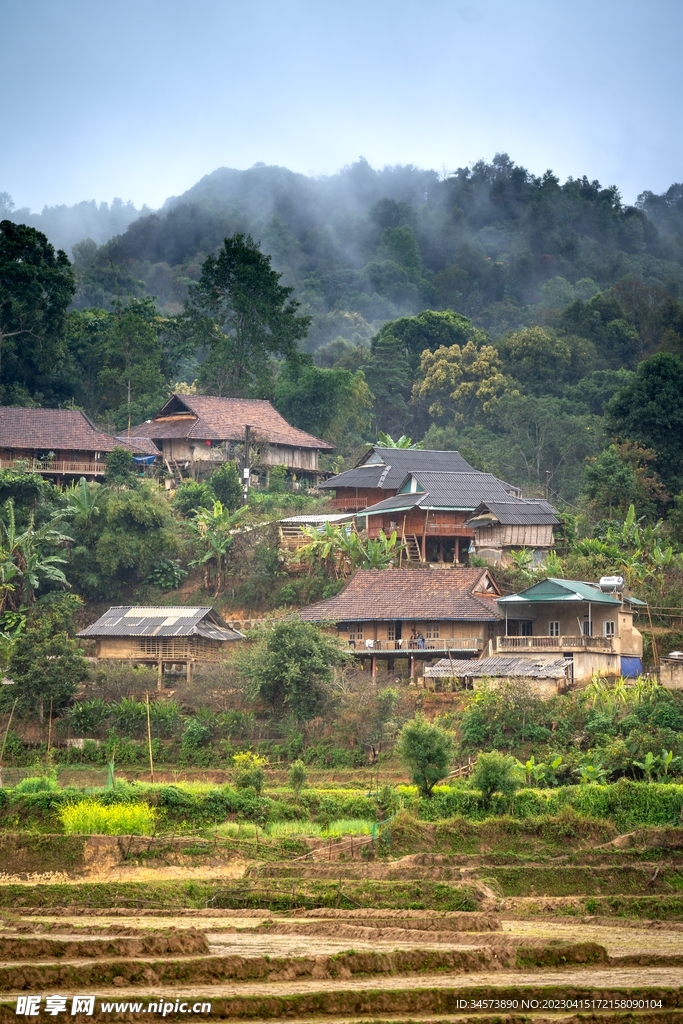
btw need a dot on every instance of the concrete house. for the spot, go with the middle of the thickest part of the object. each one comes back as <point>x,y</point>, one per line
<point>63,444</point>
<point>413,614</point>
<point>195,433</point>
<point>589,624</point>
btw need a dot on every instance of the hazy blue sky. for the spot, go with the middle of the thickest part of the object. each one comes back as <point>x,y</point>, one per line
<point>140,98</point>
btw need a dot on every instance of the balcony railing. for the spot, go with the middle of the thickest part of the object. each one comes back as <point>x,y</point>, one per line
<point>554,643</point>
<point>349,504</point>
<point>55,467</point>
<point>452,644</point>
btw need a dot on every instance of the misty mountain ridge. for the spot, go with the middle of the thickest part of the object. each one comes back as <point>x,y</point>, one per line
<point>364,246</point>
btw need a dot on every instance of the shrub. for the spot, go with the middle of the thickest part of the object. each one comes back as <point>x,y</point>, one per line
<point>38,784</point>
<point>192,496</point>
<point>248,771</point>
<point>298,776</point>
<point>427,752</point>
<point>227,486</point>
<point>495,773</point>
<point>91,818</point>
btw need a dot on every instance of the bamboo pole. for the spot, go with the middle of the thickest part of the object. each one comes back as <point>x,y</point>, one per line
<point>149,741</point>
<point>2,752</point>
<point>49,734</point>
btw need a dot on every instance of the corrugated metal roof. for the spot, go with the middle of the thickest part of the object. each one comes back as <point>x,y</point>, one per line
<point>336,517</point>
<point>535,512</point>
<point>129,620</point>
<point>554,590</point>
<point>386,468</point>
<point>500,666</point>
<point>461,491</point>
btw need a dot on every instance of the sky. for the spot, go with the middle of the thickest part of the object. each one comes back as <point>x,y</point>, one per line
<point>141,98</point>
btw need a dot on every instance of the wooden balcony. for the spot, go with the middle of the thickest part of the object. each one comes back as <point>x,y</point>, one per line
<point>54,467</point>
<point>430,648</point>
<point>348,504</point>
<point>605,644</point>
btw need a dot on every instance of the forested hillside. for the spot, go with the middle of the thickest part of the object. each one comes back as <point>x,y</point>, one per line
<point>535,325</point>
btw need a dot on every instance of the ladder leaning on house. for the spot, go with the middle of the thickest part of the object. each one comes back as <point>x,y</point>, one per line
<point>175,471</point>
<point>413,550</point>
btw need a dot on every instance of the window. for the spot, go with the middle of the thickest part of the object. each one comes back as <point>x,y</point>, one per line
<point>553,629</point>
<point>432,630</point>
<point>525,628</point>
<point>391,631</point>
<point>610,628</point>
<point>355,632</point>
<point>587,627</point>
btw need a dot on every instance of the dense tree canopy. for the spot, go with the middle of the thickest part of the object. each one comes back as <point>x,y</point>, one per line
<point>243,316</point>
<point>36,287</point>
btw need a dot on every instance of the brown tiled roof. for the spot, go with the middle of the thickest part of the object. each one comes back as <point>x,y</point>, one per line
<point>206,418</point>
<point>409,594</point>
<point>58,430</point>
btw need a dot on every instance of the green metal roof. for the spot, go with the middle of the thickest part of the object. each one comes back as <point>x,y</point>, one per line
<point>552,590</point>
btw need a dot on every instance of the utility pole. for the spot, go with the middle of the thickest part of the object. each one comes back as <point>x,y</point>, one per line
<point>246,466</point>
<point>547,485</point>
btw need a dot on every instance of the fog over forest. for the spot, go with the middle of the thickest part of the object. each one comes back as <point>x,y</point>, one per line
<point>559,289</point>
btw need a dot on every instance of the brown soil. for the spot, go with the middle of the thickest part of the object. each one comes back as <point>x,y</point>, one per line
<point>76,947</point>
<point>453,920</point>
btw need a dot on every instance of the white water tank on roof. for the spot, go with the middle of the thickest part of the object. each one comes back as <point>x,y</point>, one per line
<point>611,583</point>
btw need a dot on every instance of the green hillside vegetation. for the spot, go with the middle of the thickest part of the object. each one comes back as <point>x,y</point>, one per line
<point>533,325</point>
<point>525,321</point>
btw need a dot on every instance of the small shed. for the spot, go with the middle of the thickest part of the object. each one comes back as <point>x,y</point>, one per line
<point>161,636</point>
<point>291,529</point>
<point>671,671</point>
<point>547,674</point>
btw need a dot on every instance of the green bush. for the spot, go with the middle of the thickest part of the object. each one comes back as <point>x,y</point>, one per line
<point>495,773</point>
<point>38,784</point>
<point>249,771</point>
<point>427,752</point>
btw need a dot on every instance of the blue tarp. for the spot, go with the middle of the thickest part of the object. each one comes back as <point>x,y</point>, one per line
<point>146,459</point>
<point>631,667</point>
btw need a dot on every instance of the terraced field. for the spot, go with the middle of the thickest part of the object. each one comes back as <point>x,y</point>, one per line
<point>595,933</point>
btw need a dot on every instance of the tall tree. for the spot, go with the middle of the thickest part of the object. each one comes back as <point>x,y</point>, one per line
<point>36,287</point>
<point>649,411</point>
<point>131,382</point>
<point>241,314</point>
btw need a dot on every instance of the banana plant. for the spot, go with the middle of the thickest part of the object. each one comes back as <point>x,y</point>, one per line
<point>591,772</point>
<point>24,563</point>
<point>387,441</point>
<point>533,772</point>
<point>648,765</point>
<point>214,529</point>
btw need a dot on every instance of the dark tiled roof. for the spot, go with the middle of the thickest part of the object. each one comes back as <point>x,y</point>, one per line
<point>409,594</point>
<point>501,666</point>
<point>447,490</point>
<point>58,429</point>
<point>207,418</point>
<point>132,621</point>
<point>387,468</point>
<point>140,445</point>
<point>535,512</point>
